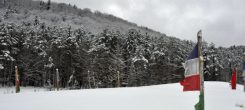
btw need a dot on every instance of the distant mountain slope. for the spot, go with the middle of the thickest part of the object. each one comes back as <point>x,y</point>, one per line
<point>66,15</point>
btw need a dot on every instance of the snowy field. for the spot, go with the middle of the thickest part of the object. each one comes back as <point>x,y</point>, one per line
<point>11,90</point>
<point>218,96</point>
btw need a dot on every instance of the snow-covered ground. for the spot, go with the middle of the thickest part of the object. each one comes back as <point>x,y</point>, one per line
<point>11,90</point>
<point>218,96</point>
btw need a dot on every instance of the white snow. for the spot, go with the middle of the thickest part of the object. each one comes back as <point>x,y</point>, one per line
<point>158,53</point>
<point>1,66</point>
<point>139,58</point>
<point>24,90</point>
<point>218,96</point>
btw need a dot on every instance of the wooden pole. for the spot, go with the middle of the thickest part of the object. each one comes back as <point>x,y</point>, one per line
<point>243,84</point>
<point>243,71</point>
<point>201,97</point>
<point>57,79</point>
<point>199,36</point>
<point>118,79</point>
<point>96,86</point>
<point>17,81</point>
<point>89,79</point>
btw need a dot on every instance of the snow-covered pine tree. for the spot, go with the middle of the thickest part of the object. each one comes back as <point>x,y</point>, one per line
<point>104,59</point>
<point>212,64</point>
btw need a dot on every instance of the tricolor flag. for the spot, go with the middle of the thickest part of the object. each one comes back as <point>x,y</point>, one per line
<point>194,72</point>
<point>233,79</point>
<point>192,76</point>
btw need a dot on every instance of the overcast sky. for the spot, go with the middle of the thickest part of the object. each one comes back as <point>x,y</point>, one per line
<point>222,21</point>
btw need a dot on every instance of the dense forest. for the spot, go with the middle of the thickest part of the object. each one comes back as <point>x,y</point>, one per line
<point>95,50</point>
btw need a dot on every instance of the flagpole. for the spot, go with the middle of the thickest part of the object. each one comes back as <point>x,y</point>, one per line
<point>57,79</point>
<point>200,104</point>
<point>243,71</point>
<point>199,38</point>
<point>17,80</point>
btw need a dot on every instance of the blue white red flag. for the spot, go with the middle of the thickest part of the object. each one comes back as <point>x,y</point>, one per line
<point>192,75</point>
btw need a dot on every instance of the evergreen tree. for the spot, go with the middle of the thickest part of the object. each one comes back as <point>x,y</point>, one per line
<point>36,21</point>
<point>211,63</point>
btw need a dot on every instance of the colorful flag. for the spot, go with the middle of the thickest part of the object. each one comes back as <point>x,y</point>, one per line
<point>194,72</point>
<point>244,66</point>
<point>233,79</point>
<point>200,104</point>
<point>192,76</point>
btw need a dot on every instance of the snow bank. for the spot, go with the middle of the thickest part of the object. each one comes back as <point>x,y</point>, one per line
<point>218,96</point>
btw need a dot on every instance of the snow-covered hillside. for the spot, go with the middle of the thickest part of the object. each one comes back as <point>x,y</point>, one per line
<point>218,96</point>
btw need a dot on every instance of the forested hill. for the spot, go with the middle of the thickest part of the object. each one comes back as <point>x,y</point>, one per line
<point>93,49</point>
<point>64,15</point>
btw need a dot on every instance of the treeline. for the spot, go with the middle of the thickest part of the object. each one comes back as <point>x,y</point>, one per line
<point>108,59</point>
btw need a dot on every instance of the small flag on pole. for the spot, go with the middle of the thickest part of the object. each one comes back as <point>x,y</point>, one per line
<point>200,104</point>
<point>194,72</point>
<point>233,79</point>
<point>192,78</point>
